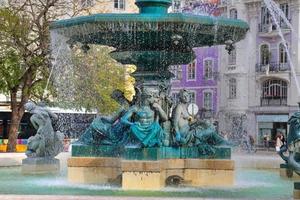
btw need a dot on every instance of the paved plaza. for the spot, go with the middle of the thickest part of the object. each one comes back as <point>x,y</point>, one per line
<point>33,197</point>
<point>258,160</point>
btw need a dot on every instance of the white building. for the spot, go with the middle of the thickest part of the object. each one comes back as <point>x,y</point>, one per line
<point>258,90</point>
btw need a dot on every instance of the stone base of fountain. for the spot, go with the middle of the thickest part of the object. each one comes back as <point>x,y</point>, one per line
<point>40,165</point>
<point>151,168</point>
<point>288,173</point>
<point>297,190</point>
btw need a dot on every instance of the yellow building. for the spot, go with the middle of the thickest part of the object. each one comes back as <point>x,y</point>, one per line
<point>109,6</point>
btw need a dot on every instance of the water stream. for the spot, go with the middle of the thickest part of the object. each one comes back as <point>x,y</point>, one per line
<point>277,14</point>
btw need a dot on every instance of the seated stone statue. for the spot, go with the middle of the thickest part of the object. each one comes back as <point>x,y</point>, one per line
<point>46,142</point>
<point>188,134</point>
<point>143,119</point>
<point>108,130</point>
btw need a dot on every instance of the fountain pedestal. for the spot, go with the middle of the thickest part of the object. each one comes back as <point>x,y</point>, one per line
<point>94,170</point>
<point>40,165</point>
<point>150,168</point>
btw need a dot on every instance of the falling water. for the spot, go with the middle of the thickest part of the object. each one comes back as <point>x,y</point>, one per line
<point>52,69</point>
<point>276,14</point>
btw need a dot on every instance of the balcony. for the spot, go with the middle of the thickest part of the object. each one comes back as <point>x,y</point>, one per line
<point>273,67</point>
<point>269,30</point>
<point>273,101</point>
<point>206,113</point>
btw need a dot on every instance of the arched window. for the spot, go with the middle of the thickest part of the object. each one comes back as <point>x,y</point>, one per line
<point>232,88</point>
<point>265,54</point>
<point>282,54</point>
<point>274,92</point>
<point>233,13</point>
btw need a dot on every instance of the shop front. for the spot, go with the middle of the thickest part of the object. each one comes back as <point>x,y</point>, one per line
<point>269,126</point>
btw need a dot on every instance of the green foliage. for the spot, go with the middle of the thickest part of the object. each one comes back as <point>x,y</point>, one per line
<point>19,59</point>
<point>95,76</point>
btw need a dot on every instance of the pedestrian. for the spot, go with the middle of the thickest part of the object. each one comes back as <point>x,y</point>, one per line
<point>251,139</point>
<point>279,143</point>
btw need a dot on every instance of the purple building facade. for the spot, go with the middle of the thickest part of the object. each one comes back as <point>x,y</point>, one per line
<point>200,78</point>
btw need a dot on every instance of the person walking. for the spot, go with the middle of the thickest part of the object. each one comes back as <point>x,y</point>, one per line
<point>279,141</point>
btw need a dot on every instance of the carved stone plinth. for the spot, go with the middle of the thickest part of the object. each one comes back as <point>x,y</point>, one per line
<point>92,170</point>
<point>297,190</point>
<point>40,165</point>
<point>287,173</point>
<point>142,175</point>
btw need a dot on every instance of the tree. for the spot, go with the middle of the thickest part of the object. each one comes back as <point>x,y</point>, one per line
<point>25,53</point>
<point>95,75</point>
<point>25,57</point>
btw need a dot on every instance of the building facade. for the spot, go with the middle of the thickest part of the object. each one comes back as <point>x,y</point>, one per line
<point>258,89</point>
<point>109,6</point>
<point>200,78</point>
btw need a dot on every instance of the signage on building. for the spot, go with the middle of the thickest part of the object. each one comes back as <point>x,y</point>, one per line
<point>272,118</point>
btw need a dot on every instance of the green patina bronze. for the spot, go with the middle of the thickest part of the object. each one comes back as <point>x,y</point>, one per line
<point>152,31</point>
<point>154,153</point>
<point>153,39</point>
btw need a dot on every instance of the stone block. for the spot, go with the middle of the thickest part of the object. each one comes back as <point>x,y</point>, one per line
<point>140,166</point>
<point>143,180</point>
<point>40,165</point>
<point>94,175</point>
<point>213,164</point>
<point>174,172</point>
<point>173,163</point>
<point>94,162</point>
<point>209,178</point>
<point>94,170</point>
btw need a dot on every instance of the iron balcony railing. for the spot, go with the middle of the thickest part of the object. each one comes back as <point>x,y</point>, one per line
<point>272,67</point>
<point>273,101</point>
<point>206,113</point>
<point>267,28</point>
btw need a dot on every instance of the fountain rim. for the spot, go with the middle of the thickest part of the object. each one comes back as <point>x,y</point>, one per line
<point>156,18</point>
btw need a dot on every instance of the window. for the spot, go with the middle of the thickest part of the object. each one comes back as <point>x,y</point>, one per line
<point>192,97</point>
<point>274,92</point>
<point>191,73</point>
<point>177,71</point>
<point>232,57</point>
<point>207,100</point>
<point>119,4</point>
<point>176,5</point>
<point>282,54</point>
<point>233,13</point>
<point>87,3</point>
<point>285,9</point>
<point>232,88</point>
<point>265,16</point>
<point>265,54</point>
<point>208,69</point>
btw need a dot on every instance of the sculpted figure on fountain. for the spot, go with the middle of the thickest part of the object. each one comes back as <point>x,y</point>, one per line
<point>192,133</point>
<point>46,142</point>
<point>144,120</point>
<point>108,130</point>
